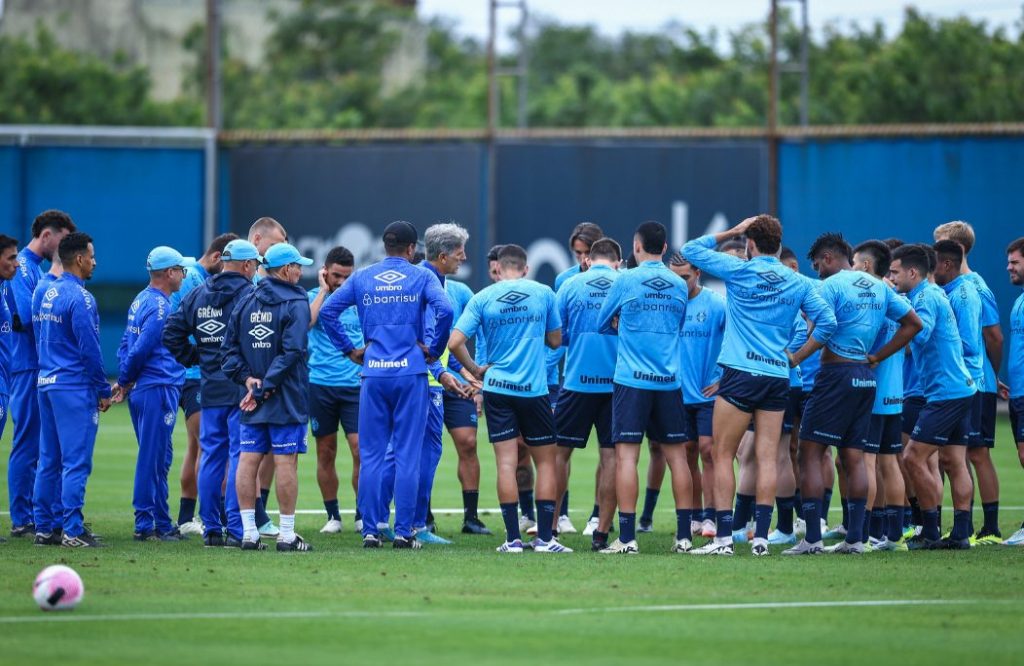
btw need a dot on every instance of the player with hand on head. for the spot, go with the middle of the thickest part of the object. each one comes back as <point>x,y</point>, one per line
<point>265,350</point>
<point>150,378</point>
<point>763,300</point>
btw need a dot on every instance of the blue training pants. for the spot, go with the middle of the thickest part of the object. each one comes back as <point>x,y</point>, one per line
<point>21,470</point>
<point>153,410</point>
<point>430,458</point>
<point>219,442</point>
<point>391,409</point>
<point>67,465</point>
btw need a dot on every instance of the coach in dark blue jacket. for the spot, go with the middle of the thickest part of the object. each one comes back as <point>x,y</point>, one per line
<point>204,315</point>
<point>151,378</point>
<point>265,350</point>
<point>392,297</point>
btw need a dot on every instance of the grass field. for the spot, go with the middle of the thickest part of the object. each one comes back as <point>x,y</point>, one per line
<point>159,603</point>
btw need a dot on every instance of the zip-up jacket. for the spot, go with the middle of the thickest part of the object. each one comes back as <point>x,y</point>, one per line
<point>143,359</point>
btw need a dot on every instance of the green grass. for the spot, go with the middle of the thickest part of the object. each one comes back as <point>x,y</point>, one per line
<point>466,604</point>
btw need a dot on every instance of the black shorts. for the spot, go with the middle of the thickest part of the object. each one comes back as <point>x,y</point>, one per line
<point>459,412</point>
<point>983,426</point>
<point>659,414</point>
<point>838,412</point>
<point>553,392</point>
<point>699,418</point>
<point>509,416</point>
<point>945,422</point>
<point>912,406</point>
<point>331,405</point>
<point>1017,419</point>
<point>188,401</point>
<point>886,436</point>
<point>577,413</point>
<point>749,392</point>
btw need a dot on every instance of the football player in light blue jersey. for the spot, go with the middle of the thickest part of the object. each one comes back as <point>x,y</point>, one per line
<point>585,400</point>
<point>763,300</point>
<point>861,303</point>
<point>189,402</point>
<point>944,424</point>
<point>647,308</point>
<point>518,318</point>
<point>885,443</point>
<point>979,448</point>
<point>1013,390</point>
<point>333,388</point>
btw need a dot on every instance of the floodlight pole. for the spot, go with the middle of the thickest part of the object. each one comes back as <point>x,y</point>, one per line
<point>773,101</point>
<point>214,119</point>
<point>492,124</point>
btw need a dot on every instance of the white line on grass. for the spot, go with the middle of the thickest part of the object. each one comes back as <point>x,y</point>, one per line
<point>159,617</point>
<point>766,605</point>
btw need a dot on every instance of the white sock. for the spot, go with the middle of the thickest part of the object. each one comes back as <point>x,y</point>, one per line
<point>287,526</point>
<point>249,525</point>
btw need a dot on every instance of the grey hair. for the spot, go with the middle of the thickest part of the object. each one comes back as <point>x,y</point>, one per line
<point>443,239</point>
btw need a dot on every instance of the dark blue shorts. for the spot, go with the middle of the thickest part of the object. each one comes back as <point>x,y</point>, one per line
<point>912,406</point>
<point>280,440</point>
<point>983,426</point>
<point>749,392</point>
<point>331,405</point>
<point>189,399</point>
<point>794,409</point>
<point>886,436</point>
<point>576,413</point>
<point>699,418</point>
<point>1017,419</point>
<point>509,416</point>
<point>838,413</point>
<point>659,414</point>
<point>944,422</point>
<point>553,392</point>
<point>459,412</point>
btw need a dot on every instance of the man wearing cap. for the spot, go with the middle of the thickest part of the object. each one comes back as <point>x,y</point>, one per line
<point>151,380</point>
<point>203,315</point>
<point>391,298</point>
<point>265,350</point>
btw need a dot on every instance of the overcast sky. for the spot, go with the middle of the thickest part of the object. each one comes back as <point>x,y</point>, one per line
<point>613,16</point>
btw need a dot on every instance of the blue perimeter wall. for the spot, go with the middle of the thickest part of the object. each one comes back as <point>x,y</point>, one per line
<point>131,199</point>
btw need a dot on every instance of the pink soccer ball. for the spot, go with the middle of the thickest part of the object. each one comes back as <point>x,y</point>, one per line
<point>58,587</point>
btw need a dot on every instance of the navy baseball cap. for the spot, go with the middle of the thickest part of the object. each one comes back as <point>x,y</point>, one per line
<point>166,257</point>
<point>283,254</point>
<point>400,233</point>
<point>240,250</point>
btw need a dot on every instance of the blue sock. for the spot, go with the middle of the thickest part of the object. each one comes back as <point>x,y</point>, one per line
<point>526,504</point>
<point>798,505</point>
<point>683,524</point>
<point>545,516</point>
<point>187,510</point>
<point>333,512</point>
<point>627,527</point>
<point>564,511</point>
<point>855,509</point>
<point>991,512</point>
<point>843,502</point>
<point>785,520</point>
<point>596,513</point>
<point>744,510</point>
<point>826,502</point>
<point>709,514</point>
<point>961,525</point>
<point>908,516</point>
<point>894,522</point>
<point>650,501</point>
<point>877,523</point>
<point>865,529</point>
<point>762,520</point>
<point>510,516</point>
<point>916,517</point>
<point>930,524</point>
<point>812,516</point>
<point>261,512</point>
<point>723,525</point>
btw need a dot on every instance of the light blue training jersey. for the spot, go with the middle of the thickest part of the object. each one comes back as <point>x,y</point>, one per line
<point>763,299</point>
<point>513,317</point>
<point>700,344</point>
<point>937,350</point>
<point>327,365</point>
<point>650,301</point>
<point>1015,362</point>
<point>963,296</point>
<point>889,392</point>
<point>555,356</point>
<point>862,303</point>
<point>590,354</point>
<point>989,317</point>
<point>459,295</point>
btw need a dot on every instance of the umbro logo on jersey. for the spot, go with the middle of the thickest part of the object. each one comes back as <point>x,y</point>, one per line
<point>771,277</point>
<point>135,306</point>
<point>211,327</point>
<point>261,332</point>
<point>601,283</point>
<point>389,277</point>
<point>50,294</point>
<point>169,418</point>
<point>863,283</point>
<point>702,317</point>
<point>512,298</point>
<point>657,284</point>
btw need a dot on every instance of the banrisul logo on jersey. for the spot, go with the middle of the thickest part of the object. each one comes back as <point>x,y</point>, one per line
<point>513,300</point>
